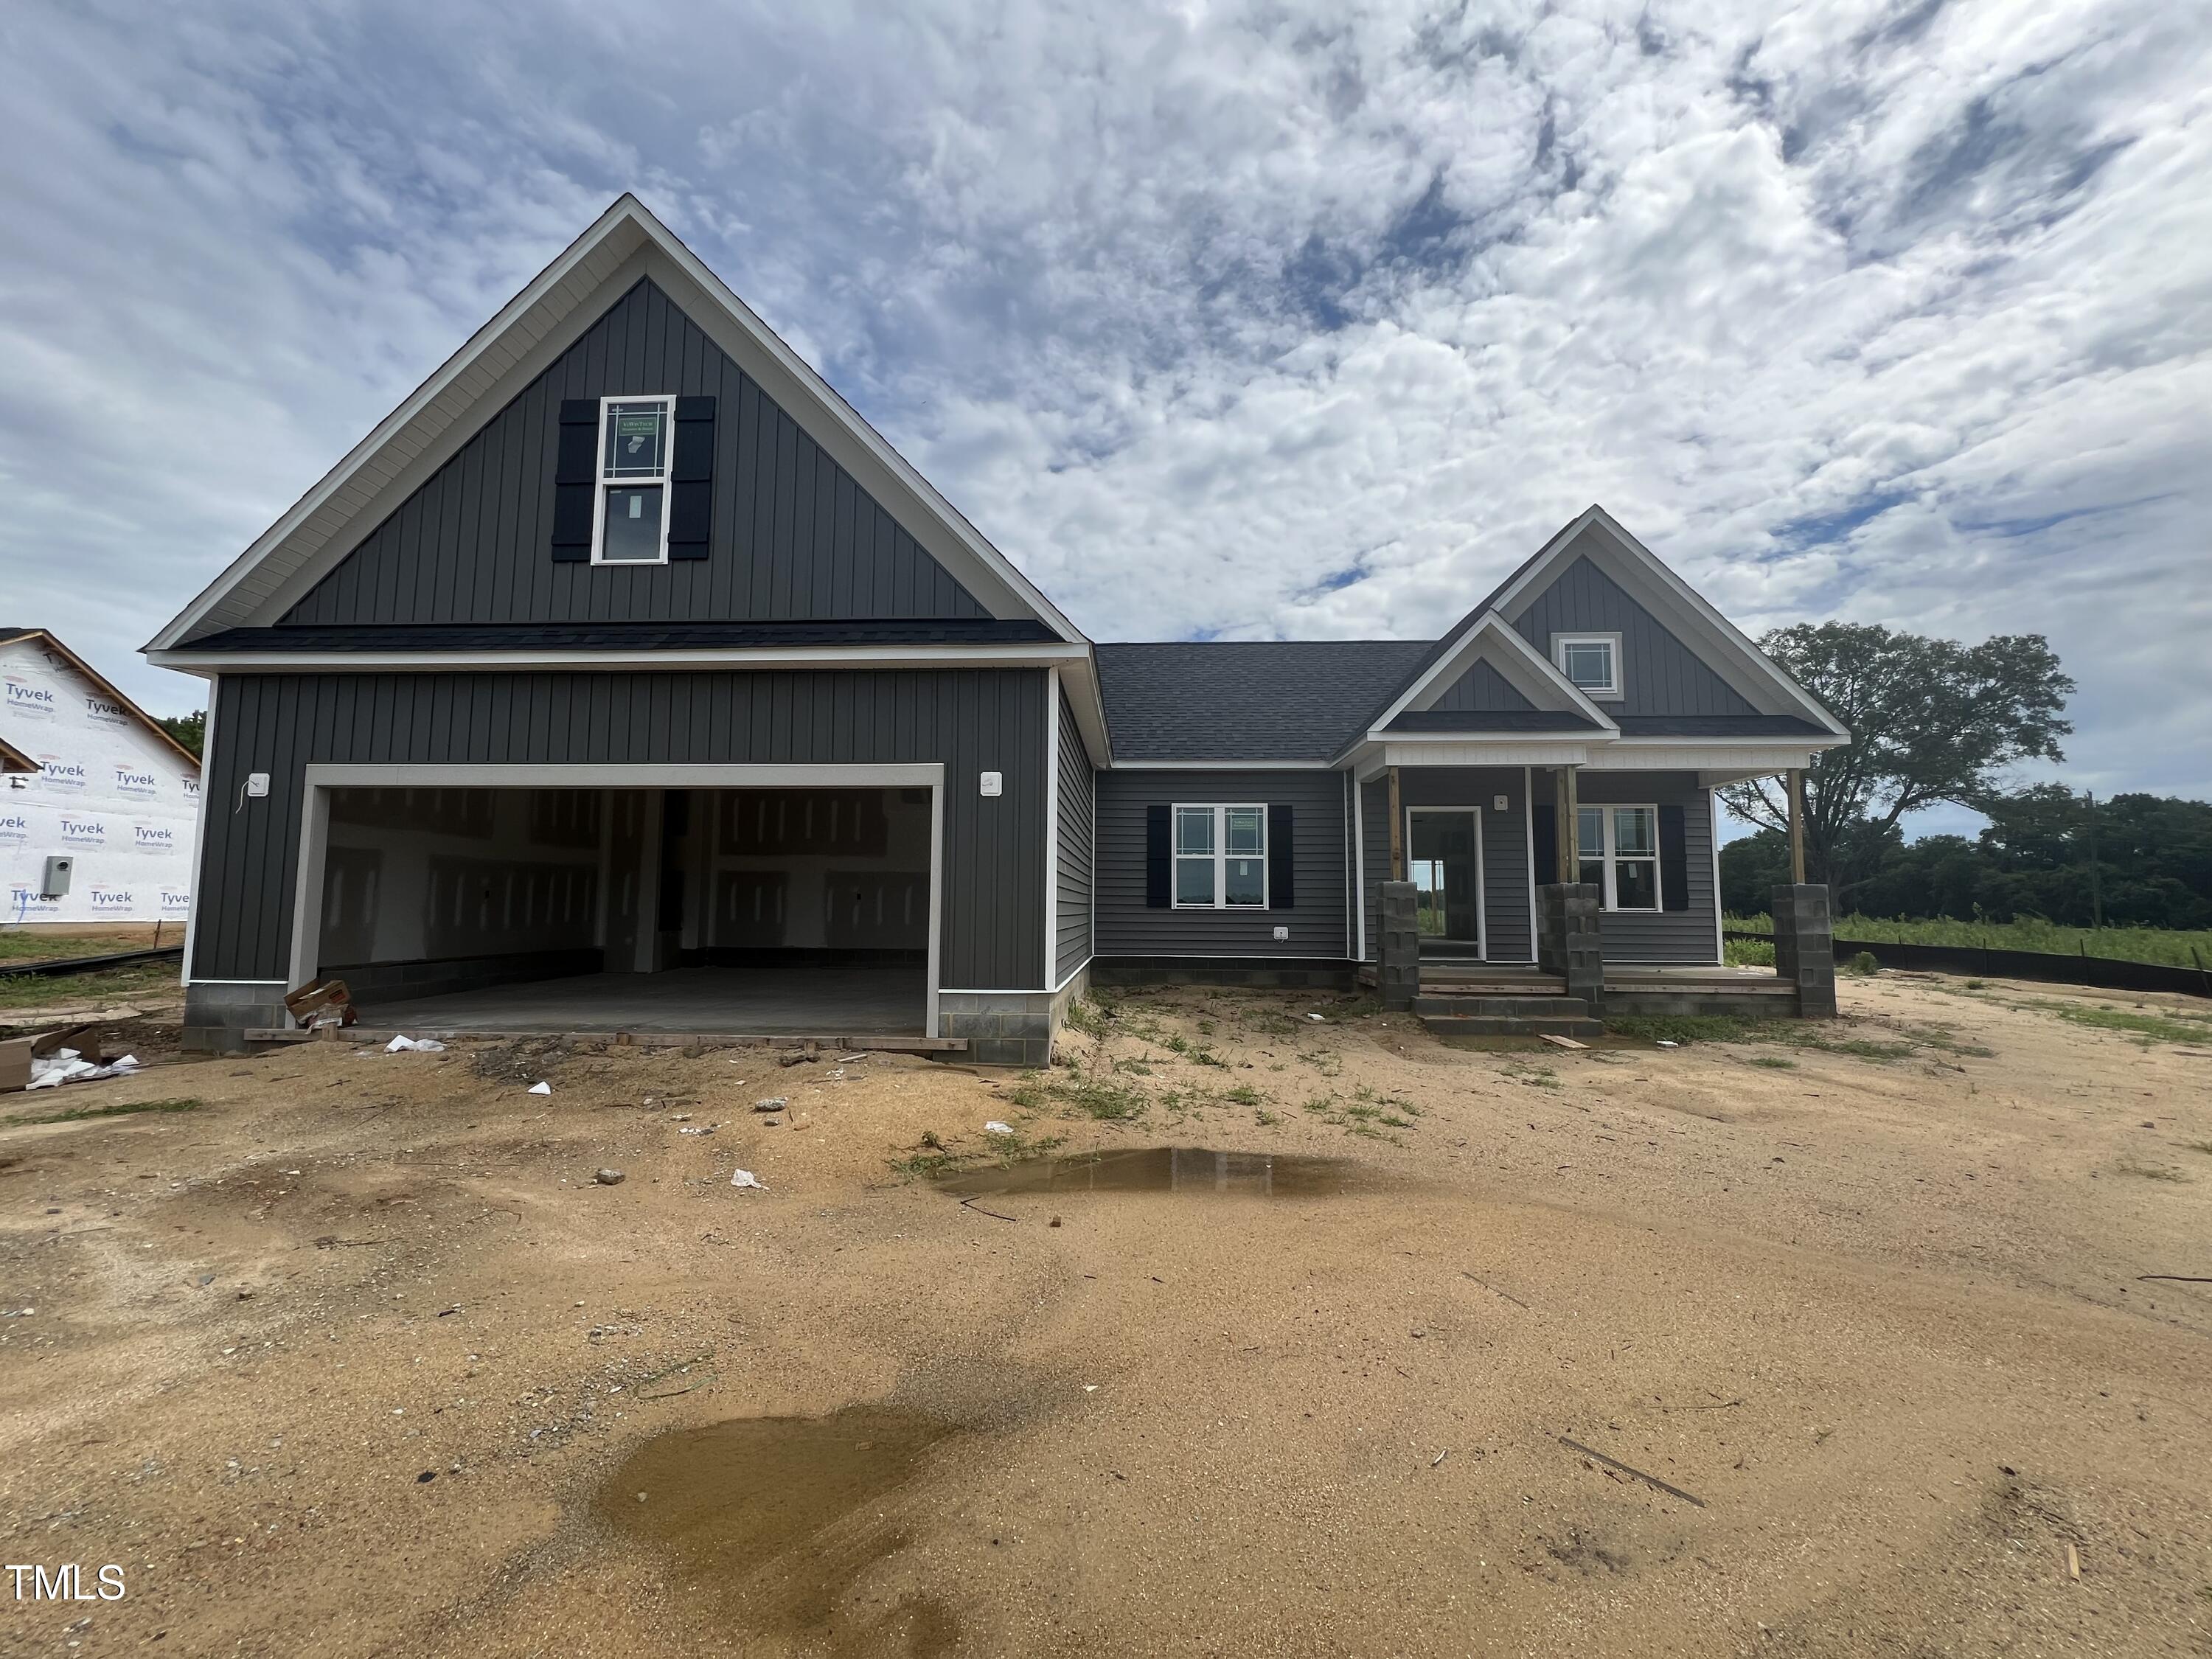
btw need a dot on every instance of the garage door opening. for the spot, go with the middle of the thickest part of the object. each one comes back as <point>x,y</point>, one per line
<point>786,911</point>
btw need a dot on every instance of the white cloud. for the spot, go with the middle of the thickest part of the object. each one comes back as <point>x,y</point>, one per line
<point>1241,320</point>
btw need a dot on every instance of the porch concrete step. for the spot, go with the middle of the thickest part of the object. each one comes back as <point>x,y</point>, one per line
<point>1502,1007</point>
<point>1490,985</point>
<point>1445,1025</point>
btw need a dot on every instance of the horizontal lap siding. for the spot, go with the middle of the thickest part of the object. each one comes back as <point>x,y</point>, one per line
<point>1685,936</point>
<point>1072,941</point>
<point>793,537</point>
<point>1661,676</point>
<point>970,719</point>
<point>1129,927</point>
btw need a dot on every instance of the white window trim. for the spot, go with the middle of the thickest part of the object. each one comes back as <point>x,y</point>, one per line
<point>1175,856</point>
<point>1481,940</point>
<point>1612,693</point>
<point>1608,857</point>
<point>602,483</point>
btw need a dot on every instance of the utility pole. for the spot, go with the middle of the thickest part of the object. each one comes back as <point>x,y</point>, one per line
<point>2096,889</point>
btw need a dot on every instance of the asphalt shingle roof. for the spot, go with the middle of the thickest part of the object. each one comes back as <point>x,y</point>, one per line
<point>1248,700</point>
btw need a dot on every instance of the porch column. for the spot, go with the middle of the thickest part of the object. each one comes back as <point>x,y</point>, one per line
<point>1397,830</point>
<point>1796,826</point>
<point>1567,842</point>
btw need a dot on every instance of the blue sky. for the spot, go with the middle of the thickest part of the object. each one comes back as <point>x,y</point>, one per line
<point>1241,320</point>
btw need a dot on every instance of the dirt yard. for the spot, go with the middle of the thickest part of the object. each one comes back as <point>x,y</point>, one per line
<point>349,1353</point>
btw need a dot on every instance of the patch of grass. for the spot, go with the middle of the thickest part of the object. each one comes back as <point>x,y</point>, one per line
<point>1135,1067</point>
<point>138,981</point>
<point>1938,1035</point>
<point>121,1109</point>
<point>1747,952</point>
<point>1685,1028</point>
<point>1773,1062</point>
<point>1205,1057</point>
<point>2161,945</point>
<point>1087,1018</point>
<point>1864,964</point>
<point>2129,1166</point>
<point>1105,1099</point>
<point>2160,1028</point>
<point>1244,1094</point>
<point>1319,1106</point>
<point>1266,1120</point>
<point>1977,985</point>
<point>17,946</point>
<point>1395,1122</point>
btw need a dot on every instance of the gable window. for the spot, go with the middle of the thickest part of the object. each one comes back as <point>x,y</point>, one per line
<point>1619,848</point>
<point>1220,857</point>
<point>631,526</point>
<point>1591,661</point>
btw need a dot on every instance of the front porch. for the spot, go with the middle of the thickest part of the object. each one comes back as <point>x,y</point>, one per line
<point>1458,997</point>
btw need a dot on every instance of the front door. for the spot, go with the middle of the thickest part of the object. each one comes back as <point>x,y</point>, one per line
<point>1444,862</point>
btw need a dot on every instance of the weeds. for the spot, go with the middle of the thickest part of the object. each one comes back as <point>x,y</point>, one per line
<point>1244,1094</point>
<point>1773,1062</point>
<point>2159,1028</point>
<point>1101,1097</point>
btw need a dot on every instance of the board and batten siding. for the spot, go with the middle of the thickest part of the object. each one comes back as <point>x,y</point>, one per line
<point>1664,936</point>
<point>793,536</point>
<point>1072,918</point>
<point>1661,675</point>
<point>971,720</point>
<point>1508,934</point>
<point>1128,926</point>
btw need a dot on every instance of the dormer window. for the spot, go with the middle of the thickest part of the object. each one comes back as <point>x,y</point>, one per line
<point>631,526</point>
<point>1591,661</point>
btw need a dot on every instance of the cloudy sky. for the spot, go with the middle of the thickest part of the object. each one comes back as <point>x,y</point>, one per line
<point>1240,319</point>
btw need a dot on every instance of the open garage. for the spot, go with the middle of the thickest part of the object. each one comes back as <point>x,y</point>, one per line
<point>788,910</point>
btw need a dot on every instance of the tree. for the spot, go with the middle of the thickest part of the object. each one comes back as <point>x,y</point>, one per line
<point>189,730</point>
<point>1931,720</point>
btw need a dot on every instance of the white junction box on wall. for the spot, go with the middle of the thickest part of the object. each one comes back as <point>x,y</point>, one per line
<point>102,830</point>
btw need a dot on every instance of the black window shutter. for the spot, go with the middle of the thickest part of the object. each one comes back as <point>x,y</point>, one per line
<point>691,479</point>
<point>1159,866</point>
<point>1674,860</point>
<point>576,466</point>
<point>1545,826</point>
<point>1282,893</point>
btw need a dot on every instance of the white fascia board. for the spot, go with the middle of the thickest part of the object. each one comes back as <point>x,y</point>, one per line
<point>506,354</point>
<point>1458,751</point>
<point>1726,645</point>
<point>1533,674</point>
<point>212,663</point>
<point>1741,757</point>
<point>1087,701</point>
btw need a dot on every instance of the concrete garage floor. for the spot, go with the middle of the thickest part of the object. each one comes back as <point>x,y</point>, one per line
<point>870,1001</point>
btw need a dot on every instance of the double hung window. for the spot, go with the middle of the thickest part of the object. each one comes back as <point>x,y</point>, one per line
<point>1619,848</point>
<point>1221,858</point>
<point>636,437</point>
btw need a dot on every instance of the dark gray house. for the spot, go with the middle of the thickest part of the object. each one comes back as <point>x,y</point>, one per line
<point>623,677</point>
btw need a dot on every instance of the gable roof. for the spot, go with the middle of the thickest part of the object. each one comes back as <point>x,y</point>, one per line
<point>1232,700</point>
<point>1711,637</point>
<point>45,637</point>
<point>13,759</point>
<point>1488,637</point>
<point>431,424</point>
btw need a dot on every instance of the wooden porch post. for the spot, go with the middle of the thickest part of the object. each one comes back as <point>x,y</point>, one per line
<point>1567,840</point>
<point>1397,831</point>
<point>1796,826</point>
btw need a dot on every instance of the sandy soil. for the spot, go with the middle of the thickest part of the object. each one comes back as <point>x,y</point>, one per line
<point>356,1357</point>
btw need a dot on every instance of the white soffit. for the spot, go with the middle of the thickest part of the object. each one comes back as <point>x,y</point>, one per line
<point>558,305</point>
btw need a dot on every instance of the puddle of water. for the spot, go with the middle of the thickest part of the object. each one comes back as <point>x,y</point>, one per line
<point>774,1519</point>
<point>1168,1169</point>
